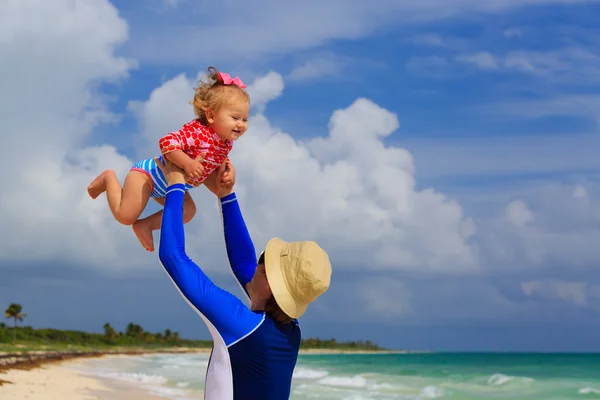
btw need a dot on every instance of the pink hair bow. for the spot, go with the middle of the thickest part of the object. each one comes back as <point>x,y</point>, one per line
<point>227,80</point>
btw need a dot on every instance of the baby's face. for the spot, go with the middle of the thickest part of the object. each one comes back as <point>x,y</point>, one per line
<point>231,121</point>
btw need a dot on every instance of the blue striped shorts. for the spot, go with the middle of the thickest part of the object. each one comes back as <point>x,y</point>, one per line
<point>149,167</point>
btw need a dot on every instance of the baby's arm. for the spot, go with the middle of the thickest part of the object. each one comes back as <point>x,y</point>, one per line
<point>172,147</point>
<point>179,158</point>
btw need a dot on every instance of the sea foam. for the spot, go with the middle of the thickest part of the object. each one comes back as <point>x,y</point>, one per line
<point>431,392</point>
<point>309,373</point>
<point>501,379</point>
<point>356,381</point>
<point>589,390</point>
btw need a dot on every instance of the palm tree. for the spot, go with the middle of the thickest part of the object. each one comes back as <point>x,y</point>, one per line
<point>134,330</point>
<point>14,311</point>
<point>109,332</point>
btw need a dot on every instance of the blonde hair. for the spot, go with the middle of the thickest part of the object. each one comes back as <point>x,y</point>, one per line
<point>214,93</point>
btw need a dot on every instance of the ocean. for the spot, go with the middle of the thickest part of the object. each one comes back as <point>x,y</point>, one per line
<point>413,376</point>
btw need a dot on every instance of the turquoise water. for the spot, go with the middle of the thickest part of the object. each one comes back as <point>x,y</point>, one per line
<point>455,376</point>
<point>385,376</point>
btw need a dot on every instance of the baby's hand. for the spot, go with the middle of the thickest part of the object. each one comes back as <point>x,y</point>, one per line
<point>228,177</point>
<point>194,168</point>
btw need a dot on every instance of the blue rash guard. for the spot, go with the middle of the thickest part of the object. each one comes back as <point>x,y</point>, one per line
<point>253,357</point>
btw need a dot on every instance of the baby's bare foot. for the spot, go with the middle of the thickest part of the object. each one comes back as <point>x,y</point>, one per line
<point>143,231</point>
<point>98,185</point>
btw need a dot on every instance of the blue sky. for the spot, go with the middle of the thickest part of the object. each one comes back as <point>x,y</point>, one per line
<point>426,73</point>
<point>465,182</point>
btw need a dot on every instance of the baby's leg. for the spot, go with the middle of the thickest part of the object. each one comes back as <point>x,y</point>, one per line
<point>128,202</point>
<point>98,185</point>
<point>143,228</point>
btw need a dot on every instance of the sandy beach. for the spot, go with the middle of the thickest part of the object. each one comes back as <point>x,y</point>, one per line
<point>62,381</point>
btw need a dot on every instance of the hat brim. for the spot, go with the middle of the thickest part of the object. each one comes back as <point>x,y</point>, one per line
<point>277,281</point>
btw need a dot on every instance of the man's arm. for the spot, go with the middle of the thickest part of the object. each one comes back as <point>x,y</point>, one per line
<point>240,249</point>
<point>226,312</point>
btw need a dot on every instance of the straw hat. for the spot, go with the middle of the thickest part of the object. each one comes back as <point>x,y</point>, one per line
<point>298,273</point>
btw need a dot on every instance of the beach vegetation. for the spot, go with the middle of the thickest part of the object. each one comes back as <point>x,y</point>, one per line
<point>14,311</point>
<point>133,336</point>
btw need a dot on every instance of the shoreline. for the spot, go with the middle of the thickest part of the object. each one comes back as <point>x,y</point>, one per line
<point>342,351</point>
<point>35,359</point>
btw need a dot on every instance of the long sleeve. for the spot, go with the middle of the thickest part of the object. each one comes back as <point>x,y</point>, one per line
<point>240,249</point>
<point>232,319</point>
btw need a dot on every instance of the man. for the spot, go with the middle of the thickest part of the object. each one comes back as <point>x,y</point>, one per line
<point>255,348</point>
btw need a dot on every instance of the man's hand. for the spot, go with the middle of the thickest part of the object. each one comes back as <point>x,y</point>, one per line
<point>173,174</point>
<point>221,181</point>
<point>193,168</point>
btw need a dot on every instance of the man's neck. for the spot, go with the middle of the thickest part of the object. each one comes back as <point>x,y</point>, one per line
<point>258,305</point>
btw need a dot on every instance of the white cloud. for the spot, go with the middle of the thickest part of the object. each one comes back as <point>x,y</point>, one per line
<point>265,89</point>
<point>482,59</point>
<point>580,192</point>
<point>347,190</point>
<point>518,213</point>
<point>168,107</point>
<point>60,51</point>
<point>549,229</point>
<point>325,65</point>
<point>575,105</point>
<point>564,65</point>
<point>428,39</point>
<point>568,65</point>
<point>574,292</point>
